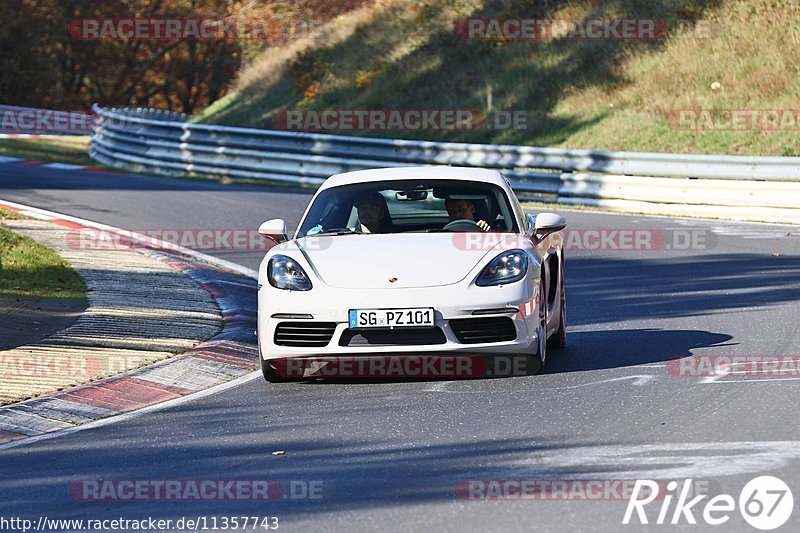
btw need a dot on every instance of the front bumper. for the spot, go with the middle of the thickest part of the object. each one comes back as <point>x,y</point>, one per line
<point>330,305</point>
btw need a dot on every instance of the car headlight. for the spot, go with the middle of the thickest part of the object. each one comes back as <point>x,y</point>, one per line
<point>507,267</point>
<point>285,273</point>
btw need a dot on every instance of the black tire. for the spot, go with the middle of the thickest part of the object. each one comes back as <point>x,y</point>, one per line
<point>269,372</point>
<point>559,338</point>
<point>541,337</point>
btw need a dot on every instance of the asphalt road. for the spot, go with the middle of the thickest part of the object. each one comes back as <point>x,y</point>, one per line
<point>390,456</point>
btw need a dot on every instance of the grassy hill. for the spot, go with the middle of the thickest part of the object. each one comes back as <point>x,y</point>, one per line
<point>718,55</point>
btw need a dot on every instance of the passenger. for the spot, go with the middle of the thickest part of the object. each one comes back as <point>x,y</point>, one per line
<point>373,213</point>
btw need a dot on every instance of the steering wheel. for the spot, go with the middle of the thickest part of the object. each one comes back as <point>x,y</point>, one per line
<point>462,224</point>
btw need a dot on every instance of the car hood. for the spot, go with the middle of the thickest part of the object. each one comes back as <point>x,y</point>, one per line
<point>365,261</point>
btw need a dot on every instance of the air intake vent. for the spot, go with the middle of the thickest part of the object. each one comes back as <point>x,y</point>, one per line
<point>308,334</point>
<point>478,330</point>
<point>393,337</point>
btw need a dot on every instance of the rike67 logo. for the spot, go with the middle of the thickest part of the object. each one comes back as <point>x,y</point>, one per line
<point>765,503</point>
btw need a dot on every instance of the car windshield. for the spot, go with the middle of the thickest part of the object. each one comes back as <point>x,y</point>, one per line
<point>409,206</point>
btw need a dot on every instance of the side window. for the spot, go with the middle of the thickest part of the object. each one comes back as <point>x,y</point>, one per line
<point>352,221</point>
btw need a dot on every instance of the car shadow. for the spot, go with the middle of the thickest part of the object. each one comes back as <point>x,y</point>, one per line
<point>603,290</point>
<point>602,349</point>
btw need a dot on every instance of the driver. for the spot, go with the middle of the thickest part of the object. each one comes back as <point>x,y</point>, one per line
<point>464,209</point>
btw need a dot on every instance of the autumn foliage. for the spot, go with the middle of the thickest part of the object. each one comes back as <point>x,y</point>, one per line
<point>45,63</point>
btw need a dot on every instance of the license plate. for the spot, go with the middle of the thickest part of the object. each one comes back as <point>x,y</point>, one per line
<point>391,318</point>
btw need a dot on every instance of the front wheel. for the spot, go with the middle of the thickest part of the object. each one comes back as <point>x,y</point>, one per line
<point>269,372</point>
<point>559,338</point>
<point>541,328</point>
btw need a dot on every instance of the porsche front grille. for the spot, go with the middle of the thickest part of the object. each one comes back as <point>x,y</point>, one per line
<point>478,330</point>
<point>306,334</point>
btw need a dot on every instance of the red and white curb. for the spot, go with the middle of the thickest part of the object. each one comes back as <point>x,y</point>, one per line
<point>226,360</point>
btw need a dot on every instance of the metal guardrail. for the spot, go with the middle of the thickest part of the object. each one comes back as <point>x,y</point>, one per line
<point>747,188</point>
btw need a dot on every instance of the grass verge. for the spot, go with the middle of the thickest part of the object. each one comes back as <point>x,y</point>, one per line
<point>717,57</point>
<point>30,269</point>
<point>55,149</point>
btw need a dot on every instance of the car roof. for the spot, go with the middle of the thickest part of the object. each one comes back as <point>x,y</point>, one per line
<point>430,172</point>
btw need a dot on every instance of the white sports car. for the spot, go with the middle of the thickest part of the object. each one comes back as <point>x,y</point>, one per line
<point>430,260</point>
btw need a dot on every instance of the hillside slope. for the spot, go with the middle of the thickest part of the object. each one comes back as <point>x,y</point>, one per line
<point>597,94</point>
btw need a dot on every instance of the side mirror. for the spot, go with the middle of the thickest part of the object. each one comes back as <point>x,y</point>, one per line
<point>544,224</point>
<point>274,229</point>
